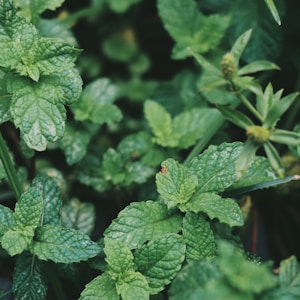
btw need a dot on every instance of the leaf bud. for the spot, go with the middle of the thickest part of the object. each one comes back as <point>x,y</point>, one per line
<point>259,134</point>
<point>228,65</point>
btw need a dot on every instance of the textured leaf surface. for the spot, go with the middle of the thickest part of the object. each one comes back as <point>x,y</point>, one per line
<point>215,167</point>
<point>289,273</point>
<point>189,28</point>
<point>226,210</point>
<point>175,183</point>
<point>134,287</point>
<point>52,201</point>
<point>7,219</point>
<point>160,259</point>
<point>142,221</point>
<point>29,280</point>
<point>62,245</point>
<point>198,236</point>
<point>96,103</point>
<point>78,215</point>
<point>101,288</point>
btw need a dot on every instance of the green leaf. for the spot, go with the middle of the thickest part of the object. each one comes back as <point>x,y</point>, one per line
<point>75,140</point>
<point>257,66</point>
<point>240,44</point>
<point>119,259</point>
<point>175,183</point>
<point>215,167</point>
<point>226,210</point>
<point>285,137</point>
<point>274,158</point>
<point>161,124</point>
<point>121,6</point>
<point>29,279</point>
<point>135,286</point>
<point>143,221</point>
<point>52,201</point>
<point>96,103</point>
<point>198,236</point>
<point>7,219</point>
<point>101,288</point>
<point>78,215</point>
<point>29,209</point>
<point>160,260</point>
<point>289,273</point>
<point>190,28</point>
<point>273,10</point>
<point>37,108</point>
<point>62,245</point>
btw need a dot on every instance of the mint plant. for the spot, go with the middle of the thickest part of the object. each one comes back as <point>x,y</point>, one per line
<point>122,178</point>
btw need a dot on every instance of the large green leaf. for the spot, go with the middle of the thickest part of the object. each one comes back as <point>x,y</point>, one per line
<point>101,288</point>
<point>175,183</point>
<point>29,279</point>
<point>198,236</point>
<point>62,245</point>
<point>160,260</point>
<point>143,221</point>
<point>289,273</point>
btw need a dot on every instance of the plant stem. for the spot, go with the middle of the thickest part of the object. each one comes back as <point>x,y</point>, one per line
<point>9,168</point>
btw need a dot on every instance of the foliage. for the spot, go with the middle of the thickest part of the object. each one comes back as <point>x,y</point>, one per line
<point>122,170</point>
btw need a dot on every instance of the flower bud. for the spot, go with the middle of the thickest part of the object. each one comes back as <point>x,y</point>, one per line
<point>259,134</point>
<point>228,65</point>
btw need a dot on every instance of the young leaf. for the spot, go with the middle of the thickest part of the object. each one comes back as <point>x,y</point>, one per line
<point>119,259</point>
<point>78,215</point>
<point>143,221</point>
<point>215,167</point>
<point>273,10</point>
<point>240,44</point>
<point>62,245</point>
<point>101,288</point>
<point>226,210</point>
<point>198,236</point>
<point>257,66</point>
<point>175,183</point>
<point>285,137</point>
<point>96,103</point>
<point>160,260</point>
<point>29,279</point>
<point>7,219</point>
<point>52,201</point>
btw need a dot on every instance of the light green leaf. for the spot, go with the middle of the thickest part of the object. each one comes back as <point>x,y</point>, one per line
<point>4,108</point>
<point>143,221</point>
<point>161,124</point>
<point>52,201</point>
<point>75,140</point>
<point>285,137</point>
<point>121,6</point>
<point>101,288</point>
<point>29,209</point>
<point>215,167</point>
<point>257,66</point>
<point>7,219</point>
<point>190,28</point>
<point>36,7</point>
<point>137,172</point>
<point>29,279</point>
<point>16,241</point>
<point>226,210</point>
<point>119,259</point>
<point>289,273</point>
<point>160,260</point>
<point>175,183</point>
<point>273,10</point>
<point>96,103</point>
<point>62,245</point>
<point>240,44</point>
<point>198,236</point>
<point>78,215</point>
<point>135,286</point>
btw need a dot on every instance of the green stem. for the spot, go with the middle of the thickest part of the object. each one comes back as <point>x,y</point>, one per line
<point>85,12</point>
<point>212,130</point>
<point>9,168</point>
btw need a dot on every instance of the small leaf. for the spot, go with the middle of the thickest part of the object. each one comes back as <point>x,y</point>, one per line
<point>289,273</point>
<point>273,10</point>
<point>240,44</point>
<point>7,219</point>
<point>52,201</point>
<point>274,158</point>
<point>226,210</point>
<point>78,215</point>
<point>143,221</point>
<point>119,258</point>
<point>160,260</point>
<point>285,137</point>
<point>134,286</point>
<point>29,279</point>
<point>215,167</point>
<point>62,245</point>
<point>198,236</point>
<point>100,288</point>
<point>175,183</point>
<point>257,66</point>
